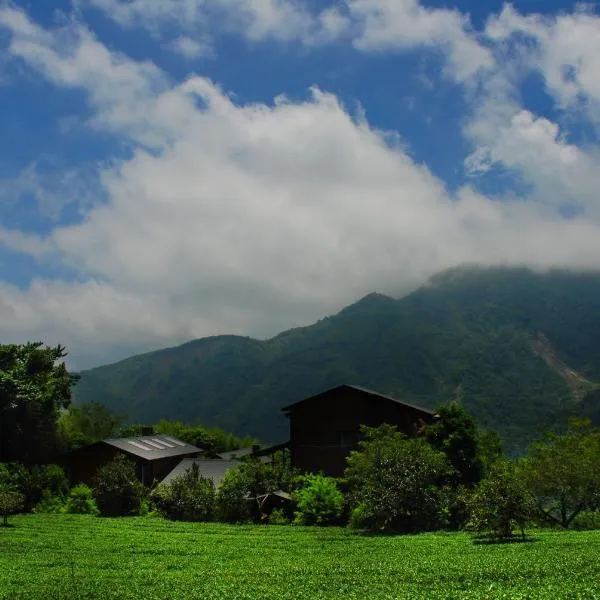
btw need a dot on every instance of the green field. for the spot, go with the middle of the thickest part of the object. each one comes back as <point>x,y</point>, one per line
<point>55,556</point>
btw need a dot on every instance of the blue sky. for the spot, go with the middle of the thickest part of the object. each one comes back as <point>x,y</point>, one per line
<point>179,168</point>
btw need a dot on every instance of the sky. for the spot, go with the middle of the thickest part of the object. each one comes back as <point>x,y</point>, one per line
<point>173,169</point>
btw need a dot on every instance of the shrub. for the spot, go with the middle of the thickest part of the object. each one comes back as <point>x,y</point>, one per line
<point>81,501</point>
<point>11,503</point>
<point>233,502</point>
<point>117,491</point>
<point>501,502</point>
<point>396,482</point>
<point>319,500</point>
<point>50,504</point>
<point>278,517</point>
<point>188,497</point>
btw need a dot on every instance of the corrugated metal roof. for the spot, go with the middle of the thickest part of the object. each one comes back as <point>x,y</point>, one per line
<point>366,391</point>
<point>211,468</point>
<point>153,447</point>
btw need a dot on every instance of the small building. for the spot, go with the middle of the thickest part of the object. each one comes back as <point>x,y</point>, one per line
<point>155,456</point>
<point>325,428</point>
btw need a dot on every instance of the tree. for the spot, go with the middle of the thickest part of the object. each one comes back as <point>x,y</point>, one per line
<point>319,500</point>
<point>563,473</point>
<point>395,481</point>
<point>188,497</point>
<point>501,502</point>
<point>456,434</point>
<point>34,386</point>
<point>116,489</point>
<point>11,503</point>
<point>87,423</point>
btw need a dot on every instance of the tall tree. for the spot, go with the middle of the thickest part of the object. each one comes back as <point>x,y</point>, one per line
<point>456,434</point>
<point>34,386</point>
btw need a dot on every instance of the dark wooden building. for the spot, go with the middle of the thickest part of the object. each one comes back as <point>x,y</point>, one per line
<point>154,456</point>
<point>326,427</point>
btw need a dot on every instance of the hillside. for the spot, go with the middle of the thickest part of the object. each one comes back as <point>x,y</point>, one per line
<point>519,349</point>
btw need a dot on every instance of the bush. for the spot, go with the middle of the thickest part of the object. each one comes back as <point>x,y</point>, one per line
<point>50,504</point>
<point>117,491</point>
<point>233,502</point>
<point>319,500</point>
<point>395,482</point>
<point>81,501</point>
<point>278,517</point>
<point>11,503</point>
<point>188,497</point>
<point>501,502</point>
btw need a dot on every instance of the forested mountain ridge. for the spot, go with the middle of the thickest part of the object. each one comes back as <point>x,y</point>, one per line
<point>520,350</point>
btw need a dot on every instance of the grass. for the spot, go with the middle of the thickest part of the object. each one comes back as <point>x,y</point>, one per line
<point>70,556</point>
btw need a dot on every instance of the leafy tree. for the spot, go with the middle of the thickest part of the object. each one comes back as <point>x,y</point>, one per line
<point>320,502</point>
<point>188,497</point>
<point>11,503</point>
<point>116,489</point>
<point>34,386</point>
<point>35,482</point>
<point>501,502</point>
<point>456,434</point>
<point>563,473</point>
<point>81,501</point>
<point>87,423</point>
<point>395,482</point>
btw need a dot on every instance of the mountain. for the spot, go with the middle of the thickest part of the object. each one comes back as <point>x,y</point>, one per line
<point>521,351</point>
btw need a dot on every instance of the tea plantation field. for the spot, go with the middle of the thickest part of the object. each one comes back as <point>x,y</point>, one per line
<point>69,557</point>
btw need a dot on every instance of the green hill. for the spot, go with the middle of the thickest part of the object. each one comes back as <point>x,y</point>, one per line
<point>520,350</point>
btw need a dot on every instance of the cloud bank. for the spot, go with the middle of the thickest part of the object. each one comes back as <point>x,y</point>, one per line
<point>229,217</point>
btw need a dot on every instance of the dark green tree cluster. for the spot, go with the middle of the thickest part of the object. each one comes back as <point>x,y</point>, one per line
<point>34,387</point>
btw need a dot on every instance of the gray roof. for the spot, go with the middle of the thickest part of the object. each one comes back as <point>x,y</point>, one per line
<point>211,468</point>
<point>153,447</point>
<point>365,391</point>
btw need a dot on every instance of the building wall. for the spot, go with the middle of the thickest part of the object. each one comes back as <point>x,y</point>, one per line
<point>326,428</point>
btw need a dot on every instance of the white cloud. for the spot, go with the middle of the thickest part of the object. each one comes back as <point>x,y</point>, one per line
<point>190,49</point>
<point>248,218</point>
<point>405,24</point>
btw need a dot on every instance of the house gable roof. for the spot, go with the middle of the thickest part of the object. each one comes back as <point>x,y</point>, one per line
<point>363,390</point>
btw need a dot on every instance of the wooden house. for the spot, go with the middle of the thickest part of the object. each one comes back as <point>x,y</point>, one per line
<point>326,427</point>
<point>155,456</point>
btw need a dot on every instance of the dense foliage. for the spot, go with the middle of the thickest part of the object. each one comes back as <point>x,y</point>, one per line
<point>395,482</point>
<point>71,556</point>
<point>81,501</point>
<point>187,497</point>
<point>469,335</point>
<point>501,502</point>
<point>320,502</point>
<point>11,503</point>
<point>34,386</point>
<point>563,472</point>
<point>117,491</point>
<point>84,424</point>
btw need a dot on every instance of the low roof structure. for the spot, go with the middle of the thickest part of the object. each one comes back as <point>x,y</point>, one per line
<point>152,447</point>
<point>211,468</point>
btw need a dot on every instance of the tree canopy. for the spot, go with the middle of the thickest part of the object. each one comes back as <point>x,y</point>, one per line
<point>34,386</point>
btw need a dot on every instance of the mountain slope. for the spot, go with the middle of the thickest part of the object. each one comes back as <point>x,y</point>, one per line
<point>471,334</point>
